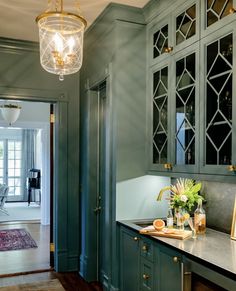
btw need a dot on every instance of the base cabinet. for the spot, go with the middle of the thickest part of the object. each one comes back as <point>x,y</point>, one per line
<point>146,265</point>
<point>129,260</point>
<point>169,265</point>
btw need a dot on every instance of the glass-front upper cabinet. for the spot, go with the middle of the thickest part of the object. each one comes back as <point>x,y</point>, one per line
<point>215,14</point>
<point>160,155</point>
<point>218,150</point>
<point>186,131</point>
<point>175,30</point>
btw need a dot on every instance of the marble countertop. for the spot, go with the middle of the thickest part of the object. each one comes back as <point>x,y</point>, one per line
<point>214,247</point>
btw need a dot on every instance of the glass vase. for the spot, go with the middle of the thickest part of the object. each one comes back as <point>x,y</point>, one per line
<point>180,215</point>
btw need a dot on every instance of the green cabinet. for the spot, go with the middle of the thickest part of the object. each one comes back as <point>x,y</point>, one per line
<point>191,88</point>
<point>129,260</point>
<point>147,265</point>
<point>170,273</point>
<point>136,261</point>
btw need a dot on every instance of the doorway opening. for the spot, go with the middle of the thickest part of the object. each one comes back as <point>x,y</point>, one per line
<point>25,168</point>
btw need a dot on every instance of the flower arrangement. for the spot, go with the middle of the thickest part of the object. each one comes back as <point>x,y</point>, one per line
<point>184,194</point>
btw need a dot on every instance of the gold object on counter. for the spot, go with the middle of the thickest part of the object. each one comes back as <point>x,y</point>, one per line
<point>233,227</point>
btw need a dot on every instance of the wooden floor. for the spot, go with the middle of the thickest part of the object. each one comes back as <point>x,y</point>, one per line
<point>30,259</point>
<point>70,281</point>
<point>15,265</point>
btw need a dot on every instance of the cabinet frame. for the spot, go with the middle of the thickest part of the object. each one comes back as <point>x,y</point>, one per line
<point>219,169</point>
<point>154,69</point>
<point>193,168</point>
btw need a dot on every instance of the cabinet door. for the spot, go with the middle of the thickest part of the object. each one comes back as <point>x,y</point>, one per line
<point>185,111</point>
<point>169,264</point>
<point>160,134</point>
<point>159,40</point>
<point>146,275</point>
<point>218,152</point>
<point>216,14</point>
<point>129,260</point>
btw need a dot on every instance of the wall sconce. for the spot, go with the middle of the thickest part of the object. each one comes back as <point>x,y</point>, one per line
<point>10,113</point>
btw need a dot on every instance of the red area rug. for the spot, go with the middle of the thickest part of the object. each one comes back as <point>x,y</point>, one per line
<point>16,239</point>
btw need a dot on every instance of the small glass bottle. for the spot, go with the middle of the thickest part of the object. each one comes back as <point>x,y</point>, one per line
<point>200,219</point>
<point>169,218</point>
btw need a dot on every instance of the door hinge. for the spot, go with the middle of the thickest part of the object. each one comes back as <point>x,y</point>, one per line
<point>52,118</point>
<point>52,248</point>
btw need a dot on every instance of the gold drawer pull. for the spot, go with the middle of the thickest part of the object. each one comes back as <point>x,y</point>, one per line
<point>146,277</point>
<point>145,248</point>
<point>231,168</point>
<point>168,49</point>
<point>168,166</point>
<point>175,259</point>
<point>136,238</point>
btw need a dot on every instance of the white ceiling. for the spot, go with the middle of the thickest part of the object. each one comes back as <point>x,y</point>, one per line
<point>17,19</point>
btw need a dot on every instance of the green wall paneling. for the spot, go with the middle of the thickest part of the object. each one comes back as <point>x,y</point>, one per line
<point>22,78</point>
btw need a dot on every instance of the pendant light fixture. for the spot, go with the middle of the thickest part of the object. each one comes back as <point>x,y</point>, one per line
<point>10,113</point>
<point>61,40</point>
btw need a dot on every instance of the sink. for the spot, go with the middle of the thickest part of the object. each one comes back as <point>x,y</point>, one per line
<point>145,223</point>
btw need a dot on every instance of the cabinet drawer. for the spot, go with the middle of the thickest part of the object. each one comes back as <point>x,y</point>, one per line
<point>146,275</point>
<point>147,249</point>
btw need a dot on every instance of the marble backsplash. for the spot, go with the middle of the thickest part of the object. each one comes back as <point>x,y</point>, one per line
<point>219,204</point>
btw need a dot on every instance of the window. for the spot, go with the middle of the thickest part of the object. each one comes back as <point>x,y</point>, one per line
<point>10,165</point>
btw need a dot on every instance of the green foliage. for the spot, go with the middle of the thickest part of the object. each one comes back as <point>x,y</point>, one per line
<point>184,194</point>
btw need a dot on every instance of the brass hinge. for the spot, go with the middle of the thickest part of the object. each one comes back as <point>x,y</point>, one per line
<point>52,248</point>
<point>52,118</point>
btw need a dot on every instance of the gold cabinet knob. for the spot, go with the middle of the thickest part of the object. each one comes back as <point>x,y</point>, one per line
<point>146,277</point>
<point>145,248</point>
<point>231,168</point>
<point>168,49</point>
<point>175,259</point>
<point>168,166</point>
<point>136,238</point>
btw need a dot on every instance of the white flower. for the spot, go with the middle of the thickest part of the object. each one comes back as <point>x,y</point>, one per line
<point>183,198</point>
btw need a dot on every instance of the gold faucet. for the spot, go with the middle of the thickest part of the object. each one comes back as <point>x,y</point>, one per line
<point>159,197</point>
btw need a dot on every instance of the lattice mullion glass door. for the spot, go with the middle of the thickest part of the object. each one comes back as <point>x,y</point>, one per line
<point>186,130</point>
<point>216,14</point>
<point>186,25</point>
<point>219,132</point>
<point>14,152</point>
<point>2,162</point>
<point>10,167</point>
<point>160,124</point>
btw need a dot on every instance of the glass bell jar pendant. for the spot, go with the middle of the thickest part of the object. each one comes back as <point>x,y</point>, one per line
<point>61,40</point>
